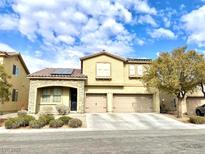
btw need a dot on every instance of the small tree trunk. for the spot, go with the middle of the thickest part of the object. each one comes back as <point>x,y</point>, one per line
<point>181,101</point>
<point>202,89</point>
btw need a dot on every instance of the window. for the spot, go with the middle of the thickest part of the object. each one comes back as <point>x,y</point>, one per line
<point>139,70</point>
<point>103,70</point>
<point>57,92</point>
<point>14,95</point>
<point>46,95</point>
<point>132,70</point>
<point>15,70</point>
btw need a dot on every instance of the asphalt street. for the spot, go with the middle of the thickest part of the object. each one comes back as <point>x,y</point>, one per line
<point>92,142</point>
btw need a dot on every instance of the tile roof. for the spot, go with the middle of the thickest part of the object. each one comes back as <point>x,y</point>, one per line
<point>103,52</point>
<point>49,73</point>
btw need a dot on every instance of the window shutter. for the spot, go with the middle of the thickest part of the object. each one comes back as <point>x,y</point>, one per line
<point>132,70</point>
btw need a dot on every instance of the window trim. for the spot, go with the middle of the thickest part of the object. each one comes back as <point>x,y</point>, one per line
<point>132,75</point>
<point>58,95</point>
<point>103,77</point>
<point>46,95</point>
<point>140,75</point>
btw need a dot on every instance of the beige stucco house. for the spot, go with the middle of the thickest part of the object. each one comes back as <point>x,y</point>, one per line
<point>105,83</point>
<point>15,67</point>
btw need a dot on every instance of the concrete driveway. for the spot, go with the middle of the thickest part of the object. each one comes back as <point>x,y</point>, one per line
<point>135,121</point>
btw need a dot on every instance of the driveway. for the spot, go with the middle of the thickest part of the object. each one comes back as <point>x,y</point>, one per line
<point>135,121</point>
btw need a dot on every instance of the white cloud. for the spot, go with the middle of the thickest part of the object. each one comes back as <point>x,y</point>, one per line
<point>194,24</point>
<point>6,47</point>
<point>70,28</point>
<point>167,22</point>
<point>8,21</point>
<point>162,33</point>
<point>147,19</point>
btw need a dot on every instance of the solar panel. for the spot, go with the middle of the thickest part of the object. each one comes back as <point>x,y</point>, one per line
<point>62,71</point>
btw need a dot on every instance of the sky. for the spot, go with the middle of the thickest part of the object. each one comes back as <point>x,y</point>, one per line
<point>56,33</point>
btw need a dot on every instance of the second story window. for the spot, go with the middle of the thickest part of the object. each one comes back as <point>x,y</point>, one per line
<point>14,95</point>
<point>132,70</point>
<point>136,71</point>
<point>139,70</point>
<point>15,70</point>
<point>103,70</point>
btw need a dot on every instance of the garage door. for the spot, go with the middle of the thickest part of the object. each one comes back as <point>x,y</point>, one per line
<point>132,103</point>
<point>96,103</point>
<point>192,103</point>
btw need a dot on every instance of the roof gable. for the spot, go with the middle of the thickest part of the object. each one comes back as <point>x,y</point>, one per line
<point>103,52</point>
<point>12,54</point>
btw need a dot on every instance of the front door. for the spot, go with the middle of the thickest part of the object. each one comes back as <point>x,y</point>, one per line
<point>73,95</point>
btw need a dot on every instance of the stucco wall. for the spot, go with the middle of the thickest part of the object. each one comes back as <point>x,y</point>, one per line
<point>120,81</point>
<point>20,82</point>
<point>124,90</point>
<point>117,70</point>
<point>34,95</point>
<point>132,81</point>
<point>47,107</point>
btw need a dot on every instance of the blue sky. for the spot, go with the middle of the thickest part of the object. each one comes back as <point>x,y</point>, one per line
<point>56,33</point>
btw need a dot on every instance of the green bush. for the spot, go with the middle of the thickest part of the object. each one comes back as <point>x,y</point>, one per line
<point>65,119</point>
<point>75,123</point>
<point>45,119</point>
<point>197,120</point>
<point>13,123</point>
<point>35,124</point>
<point>22,113</point>
<point>25,119</point>
<point>56,123</point>
<point>62,109</point>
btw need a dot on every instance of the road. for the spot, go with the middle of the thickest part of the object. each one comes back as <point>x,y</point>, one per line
<point>88,142</point>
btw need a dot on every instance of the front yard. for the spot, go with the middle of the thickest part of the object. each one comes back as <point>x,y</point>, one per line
<point>43,121</point>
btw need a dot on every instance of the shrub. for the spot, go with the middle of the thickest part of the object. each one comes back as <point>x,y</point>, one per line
<point>13,123</point>
<point>26,119</point>
<point>197,120</point>
<point>35,124</point>
<point>22,112</point>
<point>75,123</point>
<point>65,119</point>
<point>62,109</point>
<point>56,123</point>
<point>45,119</point>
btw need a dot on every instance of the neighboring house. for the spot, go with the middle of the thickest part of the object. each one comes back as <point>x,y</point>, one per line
<point>105,83</point>
<point>15,67</point>
<point>193,100</point>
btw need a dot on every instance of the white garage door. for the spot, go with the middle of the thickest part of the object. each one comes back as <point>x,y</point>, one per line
<point>132,103</point>
<point>96,103</point>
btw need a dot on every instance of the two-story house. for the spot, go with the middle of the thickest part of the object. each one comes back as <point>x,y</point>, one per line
<point>15,67</point>
<point>105,83</point>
